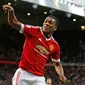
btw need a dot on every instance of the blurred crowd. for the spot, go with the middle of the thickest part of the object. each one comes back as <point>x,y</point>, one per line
<point>6,73</point>
<point>72,51</point>
<point>75,75</point>
<point>69,54</point>
<point>9,53</point>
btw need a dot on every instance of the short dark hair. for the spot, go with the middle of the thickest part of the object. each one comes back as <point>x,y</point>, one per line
<point>57,21</point>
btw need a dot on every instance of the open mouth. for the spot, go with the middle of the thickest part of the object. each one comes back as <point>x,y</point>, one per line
<point>46,27</point>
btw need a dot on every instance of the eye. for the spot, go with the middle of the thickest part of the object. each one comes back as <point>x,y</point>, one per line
<point>45,21</point>
<point>50,22</point>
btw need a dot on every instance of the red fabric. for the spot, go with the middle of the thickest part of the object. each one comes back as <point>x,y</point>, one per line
<point>36,50</point>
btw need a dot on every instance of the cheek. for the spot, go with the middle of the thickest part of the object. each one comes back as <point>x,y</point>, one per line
<point>52,27</point>
<point>51,30</point>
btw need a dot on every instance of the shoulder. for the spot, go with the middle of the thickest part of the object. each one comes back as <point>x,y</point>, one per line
<point>55,42</point>
<point>31,26</point>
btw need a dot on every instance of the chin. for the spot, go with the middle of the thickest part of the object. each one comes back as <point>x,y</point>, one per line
<point>45,31</point>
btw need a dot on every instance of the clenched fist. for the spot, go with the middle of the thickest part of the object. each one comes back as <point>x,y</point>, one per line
<point>7,8</point>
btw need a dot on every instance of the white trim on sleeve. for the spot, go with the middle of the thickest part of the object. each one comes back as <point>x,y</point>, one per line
<point>22,28</point>
<point>56,60</point>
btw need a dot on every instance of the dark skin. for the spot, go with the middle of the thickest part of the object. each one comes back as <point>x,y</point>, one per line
<point>49,26</point>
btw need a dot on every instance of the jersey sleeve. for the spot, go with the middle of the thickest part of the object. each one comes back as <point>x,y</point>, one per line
<point>55,56</point>
<point>29,30</point>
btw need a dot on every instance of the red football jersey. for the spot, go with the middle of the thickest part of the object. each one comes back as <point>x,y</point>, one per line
<point>37,49</point>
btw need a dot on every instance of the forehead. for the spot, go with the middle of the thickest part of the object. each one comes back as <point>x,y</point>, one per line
<point>50,19</point>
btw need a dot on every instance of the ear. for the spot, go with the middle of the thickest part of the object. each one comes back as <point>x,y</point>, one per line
<point>55,28</point>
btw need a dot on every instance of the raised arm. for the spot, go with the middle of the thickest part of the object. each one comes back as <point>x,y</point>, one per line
<point>12,20</point>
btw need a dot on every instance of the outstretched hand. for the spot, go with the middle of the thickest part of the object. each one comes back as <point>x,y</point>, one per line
<point>7,8</point>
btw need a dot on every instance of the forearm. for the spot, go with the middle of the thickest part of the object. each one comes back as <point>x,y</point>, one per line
<point>11,17</point>
<point>59,69</point>
<point>12,20</point>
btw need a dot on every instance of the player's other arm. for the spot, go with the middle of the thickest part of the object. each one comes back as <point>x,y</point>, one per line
<point>12,20</point>
<point>59,69</point>
<point>57,64</point>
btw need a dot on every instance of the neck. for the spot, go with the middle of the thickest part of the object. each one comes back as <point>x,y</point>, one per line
<point>47,35</point>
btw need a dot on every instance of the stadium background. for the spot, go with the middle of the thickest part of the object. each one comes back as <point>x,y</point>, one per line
<point>70,36</point>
